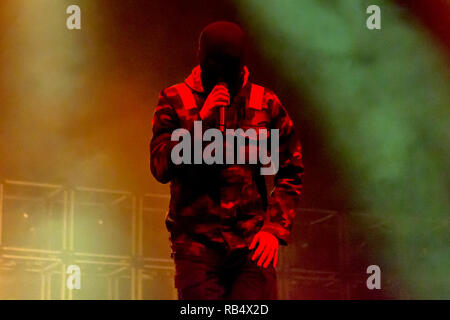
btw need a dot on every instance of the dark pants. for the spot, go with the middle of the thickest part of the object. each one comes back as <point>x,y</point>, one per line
<point>212,272</point>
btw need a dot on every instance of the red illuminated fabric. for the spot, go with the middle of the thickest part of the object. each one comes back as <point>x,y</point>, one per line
<point>226,203</point>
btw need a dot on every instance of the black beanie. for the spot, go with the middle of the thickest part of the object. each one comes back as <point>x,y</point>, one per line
<point>222,38</point>
<point>221,54</point>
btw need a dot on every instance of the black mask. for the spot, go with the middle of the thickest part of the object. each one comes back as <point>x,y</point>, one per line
<point>221,54</point>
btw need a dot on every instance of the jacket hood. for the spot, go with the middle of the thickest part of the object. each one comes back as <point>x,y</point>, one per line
<point>194,80</point>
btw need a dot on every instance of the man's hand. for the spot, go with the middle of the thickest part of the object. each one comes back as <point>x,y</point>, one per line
<point>267,248</point>
<point>219,96</point>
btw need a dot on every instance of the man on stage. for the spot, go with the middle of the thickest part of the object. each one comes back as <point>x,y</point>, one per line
<point>224,229</point>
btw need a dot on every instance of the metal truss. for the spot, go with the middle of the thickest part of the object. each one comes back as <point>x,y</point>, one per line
<point>51,265</point>
<point>132,269</point>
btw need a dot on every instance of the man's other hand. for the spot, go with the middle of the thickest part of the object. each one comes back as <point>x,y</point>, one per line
<point>267,249</point>
<point>219,96</point>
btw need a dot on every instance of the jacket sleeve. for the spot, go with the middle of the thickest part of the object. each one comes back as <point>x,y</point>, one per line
<point>283,201</point>
<point>165,121</point>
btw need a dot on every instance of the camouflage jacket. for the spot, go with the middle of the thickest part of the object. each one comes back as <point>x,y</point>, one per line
<point>226,203</point>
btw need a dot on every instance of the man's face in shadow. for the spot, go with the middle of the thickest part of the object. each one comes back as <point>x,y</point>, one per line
<point>221,55</point>
<point>221,67</point>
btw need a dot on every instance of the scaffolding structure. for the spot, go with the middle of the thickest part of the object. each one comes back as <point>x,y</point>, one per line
<point>128,272</point>
<point>50,265</point>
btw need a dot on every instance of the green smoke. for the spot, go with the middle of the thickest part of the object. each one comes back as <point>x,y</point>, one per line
<point>383,97</point>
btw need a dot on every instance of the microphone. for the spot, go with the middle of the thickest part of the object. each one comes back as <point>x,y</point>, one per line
<point>222,110</point>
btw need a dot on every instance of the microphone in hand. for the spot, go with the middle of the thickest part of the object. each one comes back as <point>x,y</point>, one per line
<point>222,108</point>
<point>219,97</point>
